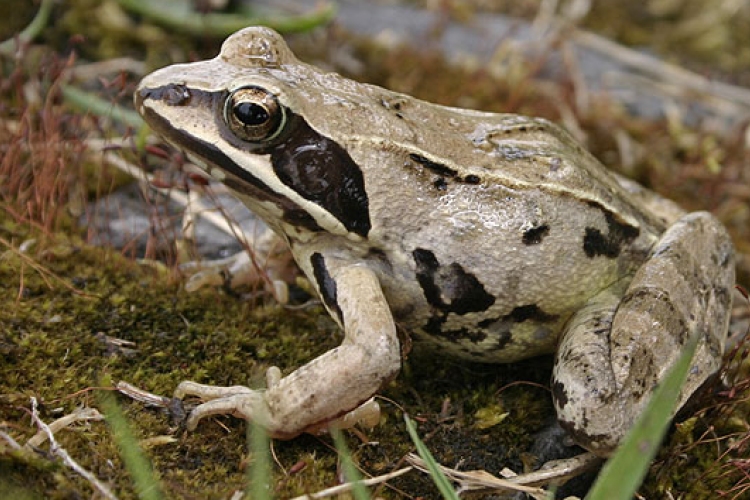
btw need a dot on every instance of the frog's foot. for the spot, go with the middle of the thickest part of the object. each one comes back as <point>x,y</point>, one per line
<point>618,348</point>
<point>249,404</point>
<point>239,401</point>
<point>330,386</point>
<point>239,269</point>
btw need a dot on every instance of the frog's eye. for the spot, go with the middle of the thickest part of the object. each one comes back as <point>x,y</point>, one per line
<point>254,114</point>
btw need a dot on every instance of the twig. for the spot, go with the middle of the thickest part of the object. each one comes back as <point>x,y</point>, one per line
<point>557,472</point>
<point>145,397</point>
<point>343,488</point>
<point>661,70</point>
<point>81,414</point>
<point>95,70</point>
<point>9,439</point>
<point>59,451</point>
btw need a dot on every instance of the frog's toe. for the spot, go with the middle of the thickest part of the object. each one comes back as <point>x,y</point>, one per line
<point>219,400</point>
<point>208,392</point>
<point>232,272</point>
<point>247,405</point>
<point>204,278</point>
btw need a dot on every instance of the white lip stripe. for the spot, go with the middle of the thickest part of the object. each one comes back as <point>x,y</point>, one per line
<point>218,174</point>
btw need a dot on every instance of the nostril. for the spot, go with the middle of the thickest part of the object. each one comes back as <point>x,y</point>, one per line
<point>171,95</point>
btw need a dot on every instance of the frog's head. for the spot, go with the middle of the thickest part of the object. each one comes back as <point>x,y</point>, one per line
<point>244,118</point>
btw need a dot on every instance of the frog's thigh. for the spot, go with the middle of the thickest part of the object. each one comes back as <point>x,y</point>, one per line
<point>615,351</point>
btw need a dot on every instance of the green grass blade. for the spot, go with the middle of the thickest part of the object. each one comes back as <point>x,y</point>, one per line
<point>180,17</point>
<point>32,30</point>
<point>92,103</point>
<point>442,483</point>
<point>259,472</point>
<point>623,473</point>
<point>359,491</point>
<point>147,486</point>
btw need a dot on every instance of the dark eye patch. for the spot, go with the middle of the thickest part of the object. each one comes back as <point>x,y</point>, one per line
<point>321,171</point>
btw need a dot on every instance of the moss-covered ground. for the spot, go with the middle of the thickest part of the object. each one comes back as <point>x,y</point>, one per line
<point>63,339</point>
<point>75,319</point>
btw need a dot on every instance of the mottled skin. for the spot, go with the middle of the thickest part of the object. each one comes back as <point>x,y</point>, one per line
<point>495,237</point>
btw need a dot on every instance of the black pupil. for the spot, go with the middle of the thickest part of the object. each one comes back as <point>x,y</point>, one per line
<point>251,114</point>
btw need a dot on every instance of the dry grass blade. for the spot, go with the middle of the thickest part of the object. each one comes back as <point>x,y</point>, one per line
<point>45,273</point>
<point>343,488</point>
<point>554,472</point>
<point>195,204</point>
<point>216,218</point>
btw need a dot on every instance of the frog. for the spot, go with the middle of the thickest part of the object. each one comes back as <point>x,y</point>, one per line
<point>488,237</point>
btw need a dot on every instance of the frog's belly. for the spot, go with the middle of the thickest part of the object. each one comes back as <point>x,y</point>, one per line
<point>460,314</point>
<point>502,340</point>
<point>497,335</point>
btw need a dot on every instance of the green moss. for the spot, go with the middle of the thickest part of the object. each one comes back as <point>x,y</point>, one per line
<point>55,348</point>
<point>57,345</point>
<point>54,341</point>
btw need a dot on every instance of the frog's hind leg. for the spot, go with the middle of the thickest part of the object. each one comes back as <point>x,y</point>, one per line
<point>619,347</point>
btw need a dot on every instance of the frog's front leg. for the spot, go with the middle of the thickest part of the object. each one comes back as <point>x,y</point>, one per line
<point>616,350</point>
<point>329,386</point>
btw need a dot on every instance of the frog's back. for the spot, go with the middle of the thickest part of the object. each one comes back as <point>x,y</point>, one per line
<point>466,145</point>
<point>487,231</point>
<point>459,144</point>
<point>503,225</point>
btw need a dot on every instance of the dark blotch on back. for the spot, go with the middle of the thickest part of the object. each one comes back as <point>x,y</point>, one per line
<point>435,325</point>
<point>438,168</point>
<point>326,284</point>
<point>443,171</point>
<point>535,235</point>
<point>321,171</point>
<point>502,325</point>
<point>559,393</point>
<point>450,288</point>
<point>610,245</point>
<point>530,312</point>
